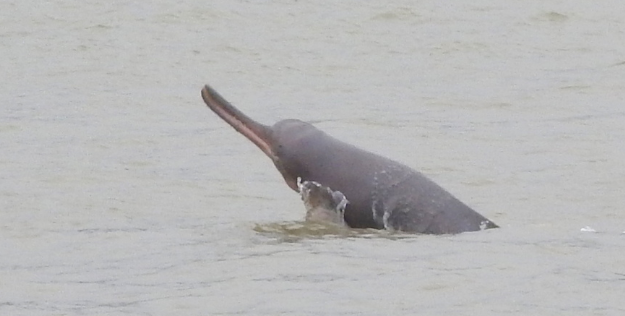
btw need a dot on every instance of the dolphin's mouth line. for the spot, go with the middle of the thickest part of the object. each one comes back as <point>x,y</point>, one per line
<point>257,133</point>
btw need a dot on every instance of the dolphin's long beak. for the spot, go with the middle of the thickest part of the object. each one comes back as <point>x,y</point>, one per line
<point>258,133</point>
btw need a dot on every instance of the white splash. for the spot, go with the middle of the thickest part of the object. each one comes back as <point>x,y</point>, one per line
<point>484,225</point>
<point>588,229</point>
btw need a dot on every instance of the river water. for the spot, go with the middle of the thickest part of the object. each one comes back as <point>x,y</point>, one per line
<point>122,194</point>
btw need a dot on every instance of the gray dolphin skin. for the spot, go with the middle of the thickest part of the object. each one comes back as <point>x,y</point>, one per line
<point>382,193</point>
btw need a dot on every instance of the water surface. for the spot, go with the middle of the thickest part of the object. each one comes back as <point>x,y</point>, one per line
<point>122,194</point>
